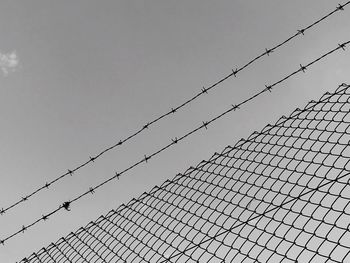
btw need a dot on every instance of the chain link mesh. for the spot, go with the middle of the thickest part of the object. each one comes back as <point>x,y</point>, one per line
<point>282,195</point>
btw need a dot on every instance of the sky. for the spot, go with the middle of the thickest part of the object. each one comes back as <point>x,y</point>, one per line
<point>78,76</point>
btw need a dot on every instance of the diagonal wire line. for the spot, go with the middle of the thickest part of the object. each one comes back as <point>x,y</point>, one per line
<point>173,110</point>
<point>204,125</point>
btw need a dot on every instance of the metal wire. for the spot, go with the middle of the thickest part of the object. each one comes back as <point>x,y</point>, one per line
<point>66,205</point>
<point>173,110</point>
<point>282,195</point>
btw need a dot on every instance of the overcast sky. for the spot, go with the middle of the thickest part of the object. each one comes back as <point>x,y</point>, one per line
<point>78,76</point>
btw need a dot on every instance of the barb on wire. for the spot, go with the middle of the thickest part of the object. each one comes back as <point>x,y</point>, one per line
<point>273,197</point>
<point>174,110</point>
<point>301,31</point>
<point>67,205</point>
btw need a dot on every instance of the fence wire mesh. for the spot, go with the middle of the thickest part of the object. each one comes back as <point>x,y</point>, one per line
<point>282,195</point>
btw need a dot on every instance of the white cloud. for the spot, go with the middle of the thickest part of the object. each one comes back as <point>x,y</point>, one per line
<point>8,62</point>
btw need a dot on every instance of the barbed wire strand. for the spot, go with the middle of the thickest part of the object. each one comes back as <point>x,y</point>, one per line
<point>173,110</point>
<point>271,171</point>
<point>268,88</point>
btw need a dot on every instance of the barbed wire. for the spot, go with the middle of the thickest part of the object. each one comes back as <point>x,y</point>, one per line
<point>271,171</point>
<point>267,52</point>
<point>268,88</point>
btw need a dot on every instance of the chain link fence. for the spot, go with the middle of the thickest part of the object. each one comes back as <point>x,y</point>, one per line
<point>281,195</point>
